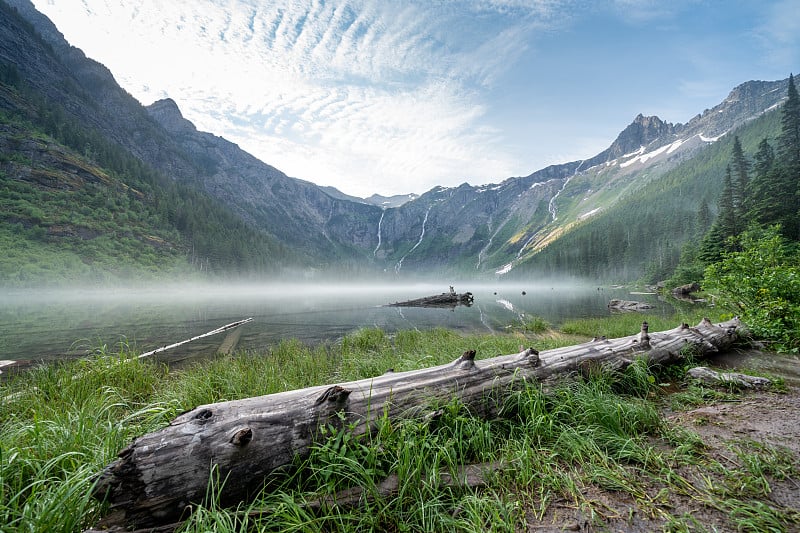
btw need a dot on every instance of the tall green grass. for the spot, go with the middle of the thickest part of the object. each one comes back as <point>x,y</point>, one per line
<point>61,424</point>
<point>624,324</point>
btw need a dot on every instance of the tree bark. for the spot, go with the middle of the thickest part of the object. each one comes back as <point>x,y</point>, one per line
<point>157,478</point>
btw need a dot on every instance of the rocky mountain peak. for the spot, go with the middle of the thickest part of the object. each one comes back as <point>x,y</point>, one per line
<point>641,132</point>
<point>744,102</point>
<point>169,115</point>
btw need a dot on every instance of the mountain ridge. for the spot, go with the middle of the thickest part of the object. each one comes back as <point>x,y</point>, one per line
<point>469,230</point>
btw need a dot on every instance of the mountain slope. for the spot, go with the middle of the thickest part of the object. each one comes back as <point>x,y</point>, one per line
<point>468,230</point>
<point>643,233</point>
<point>329,230</point>
<point>493,229</point>
<point>323,229</point>
<point>608,178</point>
<point>76,204</point>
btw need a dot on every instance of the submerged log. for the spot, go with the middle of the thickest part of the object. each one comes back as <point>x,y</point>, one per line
<point>222,329</point>
<point>247,442</point>
<point>685,290</point>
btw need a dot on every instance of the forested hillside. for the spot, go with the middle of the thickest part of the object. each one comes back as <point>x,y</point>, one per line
<point>642,236</point>
<point>750,258</point>
<point>76,206</point>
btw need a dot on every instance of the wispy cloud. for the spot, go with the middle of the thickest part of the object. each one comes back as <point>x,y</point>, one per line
<point>646,11</point>
<point>346,93</point>
<point>397,96</point>
<point>779,34</point>
<point>367,95</point>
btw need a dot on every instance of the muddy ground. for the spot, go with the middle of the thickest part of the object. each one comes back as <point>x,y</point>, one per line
<point>749,421</point>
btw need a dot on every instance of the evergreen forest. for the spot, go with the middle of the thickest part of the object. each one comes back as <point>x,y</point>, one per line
<point>74,205</point>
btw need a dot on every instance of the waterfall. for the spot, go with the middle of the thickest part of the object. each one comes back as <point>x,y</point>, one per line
<point>551,206</point>
<point>375,252</point>
<point>399,264</point>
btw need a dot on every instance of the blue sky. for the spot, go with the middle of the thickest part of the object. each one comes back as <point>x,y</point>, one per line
<point>397,96</point>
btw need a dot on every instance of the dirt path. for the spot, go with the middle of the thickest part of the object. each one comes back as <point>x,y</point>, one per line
<point>735,438</point>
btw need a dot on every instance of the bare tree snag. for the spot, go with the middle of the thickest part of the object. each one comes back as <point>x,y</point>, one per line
<point>157,478</point>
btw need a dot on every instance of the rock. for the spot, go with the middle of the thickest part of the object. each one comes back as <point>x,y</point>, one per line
<point>686,290</point>
<point>628,305</point>
<point>712,377</point>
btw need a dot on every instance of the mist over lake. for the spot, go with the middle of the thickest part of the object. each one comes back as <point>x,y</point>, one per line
<point>54,324</point>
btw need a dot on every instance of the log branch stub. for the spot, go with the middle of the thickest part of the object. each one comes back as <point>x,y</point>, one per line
<point>248,442</point>
<point>203,415</point>
<point>335,394</point>
<point>527,357</point>
<point>466,361</point>
<point>242,437</point>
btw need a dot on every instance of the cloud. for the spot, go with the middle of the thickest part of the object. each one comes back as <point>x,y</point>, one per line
<point>397,96</point>
<point>639,12</point>
<point>371,96</point>
<point>779,34</point>
<point>374,96</point>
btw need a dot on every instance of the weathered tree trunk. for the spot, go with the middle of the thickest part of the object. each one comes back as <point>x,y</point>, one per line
<point>446,299</point>
<point>160,474</point>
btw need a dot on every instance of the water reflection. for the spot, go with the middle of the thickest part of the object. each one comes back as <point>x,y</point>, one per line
<point>55,324</point>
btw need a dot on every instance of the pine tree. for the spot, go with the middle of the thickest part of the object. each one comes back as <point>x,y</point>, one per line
<point>718,239</point>
<point>703,218</point>
<point>764,158</point>
<point>728,216</point>
<point>763,202</point>
<point>788,163</point>
<point>789,139</point>
<point>741,178</point>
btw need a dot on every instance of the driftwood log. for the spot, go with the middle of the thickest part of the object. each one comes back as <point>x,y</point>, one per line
<point>160,475</point>
<point>446,299</point>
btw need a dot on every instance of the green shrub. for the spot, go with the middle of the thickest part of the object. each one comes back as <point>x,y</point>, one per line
<point>761,284</point>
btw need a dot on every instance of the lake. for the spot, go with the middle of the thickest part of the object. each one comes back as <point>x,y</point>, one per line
<point>54,324</point>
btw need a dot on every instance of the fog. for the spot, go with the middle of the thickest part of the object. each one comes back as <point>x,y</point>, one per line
<point>53,323</point>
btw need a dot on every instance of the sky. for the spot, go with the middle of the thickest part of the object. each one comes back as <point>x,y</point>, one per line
<point>399,96</point>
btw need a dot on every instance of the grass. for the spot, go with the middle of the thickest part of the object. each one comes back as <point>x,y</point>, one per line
<point>623,324</point>
<point>577,445</point>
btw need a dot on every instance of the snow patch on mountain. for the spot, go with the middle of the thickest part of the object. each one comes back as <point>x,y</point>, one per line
<point>710,139</point>
<point>590,213</point>
<point>505,269</point>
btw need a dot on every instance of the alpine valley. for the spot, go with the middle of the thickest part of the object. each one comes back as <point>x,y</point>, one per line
<point>95,186</point>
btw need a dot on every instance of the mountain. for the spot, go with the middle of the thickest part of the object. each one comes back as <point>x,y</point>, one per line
<point>615,226</point>
<point>75,204</point>
<point>375,199</point>
<point>327,229</point>
<point>318,227</point>
<point>503,229</point>
<point>391,201</point>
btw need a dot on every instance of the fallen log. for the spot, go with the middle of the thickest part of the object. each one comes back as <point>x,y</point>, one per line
<point>467,476</point>
<point>446,299</point>
<point>246,442</point>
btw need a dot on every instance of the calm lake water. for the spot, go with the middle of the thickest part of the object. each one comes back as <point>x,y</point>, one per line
<point>52,324</point>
